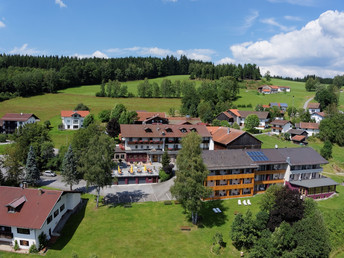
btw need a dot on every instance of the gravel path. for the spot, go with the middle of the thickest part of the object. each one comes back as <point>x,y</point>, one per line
<point>306,103</point>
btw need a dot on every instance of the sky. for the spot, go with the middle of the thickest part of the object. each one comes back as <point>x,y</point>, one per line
<point>286,37</point>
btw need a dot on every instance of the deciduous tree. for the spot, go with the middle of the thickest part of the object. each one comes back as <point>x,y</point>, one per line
<point>96,162</point>
<point>251,122</point>
<point>189,186</point>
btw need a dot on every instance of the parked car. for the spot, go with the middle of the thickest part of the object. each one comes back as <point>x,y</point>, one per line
<point>49,173</point>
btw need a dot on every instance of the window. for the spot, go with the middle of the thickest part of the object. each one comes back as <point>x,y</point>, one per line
<point>117,156</point>
<point>56,213</point>
<point>24,242</point>
<point>62,207</point>
<point>122,156</point>
<point>68,121</point>
<point>24,231</point>
<point>50,218</point>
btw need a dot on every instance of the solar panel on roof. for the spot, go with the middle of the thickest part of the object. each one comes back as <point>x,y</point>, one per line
<point>257,156</point>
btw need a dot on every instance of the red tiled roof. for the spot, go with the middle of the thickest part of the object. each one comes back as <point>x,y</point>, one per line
<point>303,125</point>
<point>313,105</point>
<point>34,210</point>
<point>144,115</point>
<point>274,87</point>
<point>298,138</point>
<point>322,114</point>
<point>227,114</point>
<point>225,135</point>
<point>17,117</point>
<point>69,113</point>
<point>266,90</point>
<point>279,122</point>
<point>139,130</point>
<point>235,112</point>
<point>266,106</point>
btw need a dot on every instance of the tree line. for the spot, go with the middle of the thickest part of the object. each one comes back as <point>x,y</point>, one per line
<point>214,72</point>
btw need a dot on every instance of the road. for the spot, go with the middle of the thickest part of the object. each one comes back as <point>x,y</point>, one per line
<point>306,103</point>
<point>119,193</point>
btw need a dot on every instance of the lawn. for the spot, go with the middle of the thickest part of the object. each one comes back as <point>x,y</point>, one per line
<point>147,230</point>
<point>297,89</point>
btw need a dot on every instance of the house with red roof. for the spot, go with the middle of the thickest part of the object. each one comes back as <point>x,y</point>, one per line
<point>11,121</point>
<point>318,116</point>
<point>280,126</point>
<point>229,138</point>
<point>313,108</point>
<point>73,119</point>
<point>144,117</point>
<point>239,117</point>
<point>25,213</point>
<point>310,128</point>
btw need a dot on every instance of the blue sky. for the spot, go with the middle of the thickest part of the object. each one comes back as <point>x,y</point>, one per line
<point>286,37</point>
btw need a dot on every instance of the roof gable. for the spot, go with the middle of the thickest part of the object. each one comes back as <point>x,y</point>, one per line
<point>22,117</point>
<point>70,113</point>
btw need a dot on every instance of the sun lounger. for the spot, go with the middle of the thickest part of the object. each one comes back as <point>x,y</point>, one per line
<point>218,210</point>
<point>215,210</point>
<point>248,202</point>
<point>244,202</point>
<point>239,202</point>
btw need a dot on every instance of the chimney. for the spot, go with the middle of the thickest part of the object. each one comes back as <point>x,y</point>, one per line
<point>21,114</point>
<point>40,191</point>
<point>228,130</point>
<point>288,160</point>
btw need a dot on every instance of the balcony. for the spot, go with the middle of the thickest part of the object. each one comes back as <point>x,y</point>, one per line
<point>6,235</point>
<point>230,187</point>
<point>267,182</point>
<point>224,177</point>
<point>301,171</point>
<point>269,172</point>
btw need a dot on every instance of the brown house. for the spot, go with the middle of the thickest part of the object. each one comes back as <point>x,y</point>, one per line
<point>144,117</point>
<point>229,138</point>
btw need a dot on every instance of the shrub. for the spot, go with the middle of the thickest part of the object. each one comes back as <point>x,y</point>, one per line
<point>249,105</point>
<point>42,239</point>
<point>3,137</point>
<point>16,246</point>
<point>216,249</point>
<point>163,175</point>
<point>33,249</point>
<point>218,239</point>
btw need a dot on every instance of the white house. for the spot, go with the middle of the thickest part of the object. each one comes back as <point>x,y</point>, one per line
<point>239,117</point>
<point>73,119</point>
<point>283,89</point>
<point>11,121</point>
<point>318,116</point>
<point>313,108</point>
<point>310,128</point>
<point>26,213</point>
<point>280,126</point>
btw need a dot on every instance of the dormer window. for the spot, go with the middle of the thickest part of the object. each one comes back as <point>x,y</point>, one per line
<point>183,130</point>
<point>193,129</point>
<point>148,130</point>
<point>16,205</point>
<point>169,130</point>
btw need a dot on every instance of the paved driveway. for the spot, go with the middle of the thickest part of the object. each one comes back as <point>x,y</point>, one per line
<point>119,193</point>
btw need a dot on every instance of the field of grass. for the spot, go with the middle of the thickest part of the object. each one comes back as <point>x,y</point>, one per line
<point>146,230</point>
<point>297,90</point>
<point>153,229</point>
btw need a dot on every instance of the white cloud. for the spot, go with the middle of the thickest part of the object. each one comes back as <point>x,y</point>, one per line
<point>249,20</point>
<point>2,24</point>
<point>60,3</point>
<point>96,53</point>
<point>315,48</point>
<point>226,60</point>
<point>292,18</point>
<point>198,54</point>
<point>271,21</point>
<point>295,2</point>
<point>24,50</point>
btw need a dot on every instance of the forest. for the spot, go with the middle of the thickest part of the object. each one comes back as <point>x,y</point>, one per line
<point>33,75</point>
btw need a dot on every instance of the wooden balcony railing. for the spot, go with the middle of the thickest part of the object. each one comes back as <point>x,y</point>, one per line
<point>236,176</point>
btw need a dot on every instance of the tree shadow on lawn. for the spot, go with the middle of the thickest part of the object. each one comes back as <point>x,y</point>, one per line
<point>123,198</point>
<point>70,227</point>
<point>209,218</point>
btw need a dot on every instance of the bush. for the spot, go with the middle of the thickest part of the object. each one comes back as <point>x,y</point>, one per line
<point>249,105</point>
<point>216,249</point>
<point>33,249</point>
<point>3,137</point>
<point>163,176</point>
<point>16,246</point>
<point>42,239</point>
<point>218,239</point>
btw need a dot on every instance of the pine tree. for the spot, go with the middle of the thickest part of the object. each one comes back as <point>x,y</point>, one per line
<point>32,171</point>
<point>69,171</point>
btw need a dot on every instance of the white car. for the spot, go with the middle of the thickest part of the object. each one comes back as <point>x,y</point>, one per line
<point>49,173</point>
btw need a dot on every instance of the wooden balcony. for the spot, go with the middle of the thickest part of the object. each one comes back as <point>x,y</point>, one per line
<point>230,187</point>
<point>228,197</point>
<point>224,177</point>
<point>265,182</point>
<point>269,172</point>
